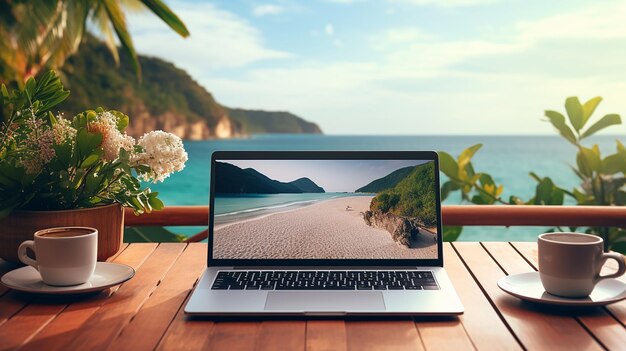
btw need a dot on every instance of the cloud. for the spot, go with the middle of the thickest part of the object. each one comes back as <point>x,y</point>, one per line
<point>345,2</point>
<point>445,3</point>
<point>422,84</point>
<point>393,37</point>
<point>329,29</point>
<point>410,81</point>
<point>593,22</point>
<point>219,39</point>
<point>264,10</point>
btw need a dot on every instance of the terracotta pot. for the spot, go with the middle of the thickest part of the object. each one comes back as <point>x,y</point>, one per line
<point>21,225</point>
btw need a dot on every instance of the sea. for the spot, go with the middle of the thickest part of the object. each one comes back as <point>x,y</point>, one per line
<point>509,159</point>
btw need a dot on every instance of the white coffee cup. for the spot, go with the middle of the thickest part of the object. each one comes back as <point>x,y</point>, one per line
<point>570,263</point>
<point>64,256</point>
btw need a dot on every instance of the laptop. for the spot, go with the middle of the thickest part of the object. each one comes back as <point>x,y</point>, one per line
<point>324,233</point>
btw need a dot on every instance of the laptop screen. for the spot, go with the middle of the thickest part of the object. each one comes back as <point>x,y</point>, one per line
<point>325,206</point>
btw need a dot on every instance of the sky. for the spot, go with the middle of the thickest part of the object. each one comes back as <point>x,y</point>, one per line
<point>401,66</point>
<point>332,175</point>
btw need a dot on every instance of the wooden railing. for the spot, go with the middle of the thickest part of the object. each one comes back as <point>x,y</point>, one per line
<point>472,215</point>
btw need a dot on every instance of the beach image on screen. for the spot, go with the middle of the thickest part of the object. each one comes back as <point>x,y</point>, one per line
<point>325,209</point>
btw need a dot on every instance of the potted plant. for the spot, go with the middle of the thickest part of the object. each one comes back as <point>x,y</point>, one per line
<point>57,171</point>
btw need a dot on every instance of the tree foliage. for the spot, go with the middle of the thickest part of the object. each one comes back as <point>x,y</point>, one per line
<point>602,179</point>
<point>35,34</point>
<point>412,197</point>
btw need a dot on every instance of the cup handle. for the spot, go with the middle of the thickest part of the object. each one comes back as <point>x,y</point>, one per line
<point>21,253</point>
<point>620,262</point>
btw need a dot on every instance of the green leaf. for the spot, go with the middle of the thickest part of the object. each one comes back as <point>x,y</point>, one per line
<point>122,120</point>
<point>589,107</point>
<point>90,160</point>
<point>480,200</point>
<point>92,182</point>
<point>447,188</point>
<point>63,154</point>
<point>583,166</point>
<point>169,17</point>
<point>87,142</point>
<point>448,165</point>
<point>118,20</point>
<point>30,87</point>
<point>606,121</point>
<point>614,163</point>
<point>155,202</point>
<point>591,157</point>
<point>486,179</point>
<point>543,192</point>
<point>467,154</point>
<point>574,112</point>
<point>558,121</point>
<point>556,197</point>
<point>451,233</point>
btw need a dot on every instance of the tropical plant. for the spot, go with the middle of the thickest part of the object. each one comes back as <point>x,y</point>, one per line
<point>44,33</point>
<point>48,162</point>
<point>602,180</point>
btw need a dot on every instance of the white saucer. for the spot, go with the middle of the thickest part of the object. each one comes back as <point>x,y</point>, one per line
<point>107,274</point>
<point>527,286</point>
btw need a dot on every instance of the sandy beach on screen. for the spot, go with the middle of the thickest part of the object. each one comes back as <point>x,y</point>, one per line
<point>323,230</point>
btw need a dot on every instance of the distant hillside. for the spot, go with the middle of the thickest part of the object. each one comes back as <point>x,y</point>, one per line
<point>167,98</point>
<point>386,182</point>
<point>307,185</point>
<point>261,122</point>
<point>412,197</point>
<point>234,180</point>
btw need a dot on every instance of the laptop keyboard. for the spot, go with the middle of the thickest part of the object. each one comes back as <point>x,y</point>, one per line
<point>325,280</point>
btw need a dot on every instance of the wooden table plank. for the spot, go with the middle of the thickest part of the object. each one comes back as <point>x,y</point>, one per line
<point>282,335</point>
<point>41,310</point>
<point>235,335</point>
<point>597,320</point>
<point>146,312</point>
<point>326,335</point>
<point>59,332</point>
<point>535,330</point>
<point>117,311</point>
<point>149,324</point>
<point>478,313</point>
<point>393,335</point>
<point>187,334</point>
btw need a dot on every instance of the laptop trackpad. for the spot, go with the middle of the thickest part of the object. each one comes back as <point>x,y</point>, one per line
<point>325,300</point>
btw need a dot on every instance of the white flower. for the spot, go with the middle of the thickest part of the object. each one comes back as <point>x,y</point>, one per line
<point>163,153</point>
<point>112,139</point>
<point>63,130</point>
<point>38,149</point>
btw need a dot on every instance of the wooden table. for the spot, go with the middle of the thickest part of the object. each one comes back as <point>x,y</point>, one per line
<point>146,313</point>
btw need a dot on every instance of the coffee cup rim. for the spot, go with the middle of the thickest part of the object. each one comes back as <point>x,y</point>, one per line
<point>544,236</point>
<point>38,234</point>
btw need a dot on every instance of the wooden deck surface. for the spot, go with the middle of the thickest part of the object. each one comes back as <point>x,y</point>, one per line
<point>145,313</point>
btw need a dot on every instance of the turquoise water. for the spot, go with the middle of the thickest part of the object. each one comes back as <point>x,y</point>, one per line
<point>508,159</point>
<point>233,208</point>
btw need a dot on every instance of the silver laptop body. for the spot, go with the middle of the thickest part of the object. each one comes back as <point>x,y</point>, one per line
<point>324,233</point>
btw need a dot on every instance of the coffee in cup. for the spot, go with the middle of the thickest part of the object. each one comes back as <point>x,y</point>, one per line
<point>64,256</point>
<point>570,263</point>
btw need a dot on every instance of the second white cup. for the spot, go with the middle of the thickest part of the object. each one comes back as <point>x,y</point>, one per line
<point>570,263</point>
